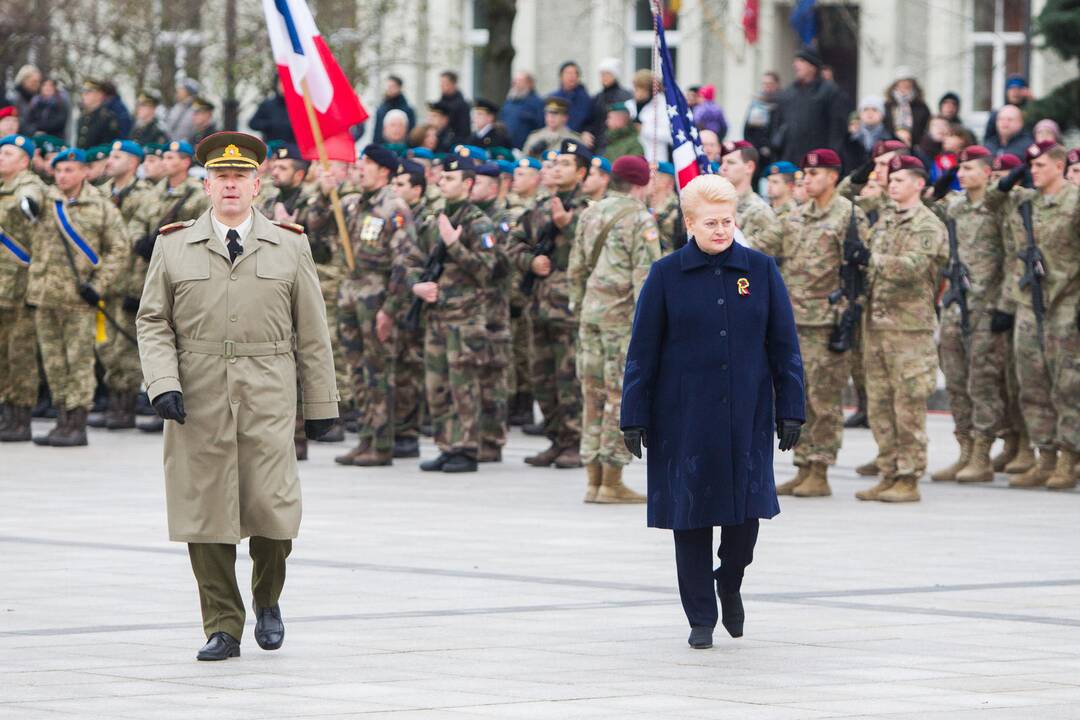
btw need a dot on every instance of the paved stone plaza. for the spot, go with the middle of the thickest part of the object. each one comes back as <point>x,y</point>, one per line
<point>501,595</point>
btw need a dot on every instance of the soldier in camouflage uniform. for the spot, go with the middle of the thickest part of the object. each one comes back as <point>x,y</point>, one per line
<point>596,182</point>
<point>664,205</point>
<point>813,251</point>
<point>753,216</point>
<point>520,202</point>
<point>554,132</point>
<point>288,176</point>
<point>79,248</point>
<point>456,341</point>
<point>615,244</point>
<point>1049,379</point>
<point>118,354</point>
<point>554,323</point>
<point>780,180</point>
<point>22,197</point>
<point>370,303</point>
<point>908,248</point>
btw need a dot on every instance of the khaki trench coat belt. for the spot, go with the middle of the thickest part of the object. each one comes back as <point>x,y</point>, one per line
<point>233,349</point>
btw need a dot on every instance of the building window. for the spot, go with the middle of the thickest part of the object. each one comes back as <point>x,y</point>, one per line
<point>997,37</point>
<point>640,44</point>
<point>476,38</point>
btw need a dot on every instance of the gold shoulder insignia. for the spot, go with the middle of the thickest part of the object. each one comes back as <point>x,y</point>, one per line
<point>173,227</point>
<point>291,227</point>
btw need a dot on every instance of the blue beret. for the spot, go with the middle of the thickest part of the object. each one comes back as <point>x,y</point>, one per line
<point>181,146</point>
<point>459,162</point>
<point>489,168</point>
<point>422,152</point>
<point>130,147</point>
<point>782,168</point>
<point>69,155</point>
<point>602,163</point>
<point>506,166</point>
<point>20,141</point>
<point>381,156</point>
<point>530,162</point>
<point>476,153</point>
<point>550,155</point>
<point>666,168</point>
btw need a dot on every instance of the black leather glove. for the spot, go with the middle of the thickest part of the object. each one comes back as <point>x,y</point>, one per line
<point>315,429</point>
<point>941,187</point>
<point>30,208</point>
<point>170,406</point>
<point>144,247</point>
<point>130,304</point>
<point>862,173</point>
<point>634,439</point>
<point>1001,322</point>
<point>788,431</point>
<point>1017,175</point>
<point>89,295</point>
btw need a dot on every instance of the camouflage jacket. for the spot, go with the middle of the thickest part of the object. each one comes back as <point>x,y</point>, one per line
<point>294,200</point>
<point>758,224</point>
<point>813,252</point>
<point>98,223</point>
<point>667,217</point>
<point>908,248</point>
<point>548,139</point>
<point>380,229</point>
<point>980,247</point>
<point>785,209</point>
<point>18,230</point>
<point>606,293</point>
<point>129,200</point>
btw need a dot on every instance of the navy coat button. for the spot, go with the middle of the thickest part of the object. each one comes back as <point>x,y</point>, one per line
<point>723,333</point>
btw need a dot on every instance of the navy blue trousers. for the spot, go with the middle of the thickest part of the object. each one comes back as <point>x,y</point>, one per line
<point>697,579</point>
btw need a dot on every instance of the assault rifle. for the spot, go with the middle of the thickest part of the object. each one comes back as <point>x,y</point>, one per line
<point>956,273</point>
<point>544,246</point>
<point>1034,272</point>
<point>433,270</point>
<point>852,285</point>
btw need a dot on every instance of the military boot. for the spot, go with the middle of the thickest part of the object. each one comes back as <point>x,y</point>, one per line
<point>18,427</point>
<point>59,429</point>
<point>99,416</point>
<point>347,458</point>
<point>523,409</point>
<point>905,489</point>
<point>1025,456</point>
<point>545,458</point>
<point>75,434</point>
<point>569,457</point>
<point>980,467</point>
<point>816,484</point>
<point>594,471</point>
<point>373,457</point>
<point>612,491</point>
<point>1064,476</point>
<point>1007,454</point>
<point>868,469</point>
<point>488,453</point>
<point>801,475</point>
<point>406,447</point>
<point>1039,473</point>
<point>874,493</point>
<point>336,433</point>
<point>948,473</point>
<point>122,415</point>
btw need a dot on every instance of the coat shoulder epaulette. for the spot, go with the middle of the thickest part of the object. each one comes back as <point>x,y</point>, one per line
<point>291,227</point>
<point>173,227</point>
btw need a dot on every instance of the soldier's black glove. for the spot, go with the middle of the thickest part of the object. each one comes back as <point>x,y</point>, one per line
<point>1001,322</point>
<point>144,247</point>
<point>1019,174</point>
<point>941,187</point>
<point>861,176</point>
<point>634,439</point>
<point>89,295</point>
<point>170,406</point>
<point>788,431</point>
<point>29,208</point>
<point>315,429</point>
<point>130,304</point>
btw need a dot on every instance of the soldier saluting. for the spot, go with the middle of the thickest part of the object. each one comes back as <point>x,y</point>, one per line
<point>229,298</point>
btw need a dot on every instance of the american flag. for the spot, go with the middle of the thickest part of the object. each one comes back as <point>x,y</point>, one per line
<point>687,156</point>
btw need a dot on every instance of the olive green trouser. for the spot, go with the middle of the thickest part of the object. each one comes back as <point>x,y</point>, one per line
<point>214,565</point>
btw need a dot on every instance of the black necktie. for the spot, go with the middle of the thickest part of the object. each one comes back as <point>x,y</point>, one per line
<point>235,249</point>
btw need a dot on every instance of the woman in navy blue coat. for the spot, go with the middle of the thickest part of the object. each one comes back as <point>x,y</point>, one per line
<point>712,371</point>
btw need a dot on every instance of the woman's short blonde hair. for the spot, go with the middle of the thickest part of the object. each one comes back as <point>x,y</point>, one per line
<point>707,189</point>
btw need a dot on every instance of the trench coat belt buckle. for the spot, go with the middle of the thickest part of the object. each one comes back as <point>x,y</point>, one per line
<point>230,349</point>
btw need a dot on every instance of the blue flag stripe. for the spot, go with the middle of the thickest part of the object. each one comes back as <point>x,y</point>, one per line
<point>290,26</point>
<point>681,122</point>
<point>69,230</point>
<point>20,253</point>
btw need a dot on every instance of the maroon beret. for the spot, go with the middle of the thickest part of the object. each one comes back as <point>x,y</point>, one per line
<point>886,146</point>
<point>974,152</point>
<point>634,169</point>
<point>1074,157</point>
<point>821,158</point>
<point>1007,161</point>
<point>731,146</point>
<point>906,162</point>
<point>1037,149</point>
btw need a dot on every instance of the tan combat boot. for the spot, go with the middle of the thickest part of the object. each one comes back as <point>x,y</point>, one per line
<point>905,489</point>
<point>595,472</point>
<point>1064,476</point>
<point>1008,453</point>
<point>1025,456</point>
<point>817,483</point>
<point>373,457</point>
<point>612,489</point>
<point>787,487</point>
<point>568,457</point>
<point>948,474</point>
<point>1039,473</point>
<point>360,449</point>
<point>980,468</point>
<point>874,493</point>
<point>868,469</point>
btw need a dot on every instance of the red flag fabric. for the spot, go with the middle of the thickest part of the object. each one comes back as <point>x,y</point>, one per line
<point>750,21</point>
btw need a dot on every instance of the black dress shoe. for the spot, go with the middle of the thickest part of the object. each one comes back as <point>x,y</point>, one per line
<point>731,613</point>
<point>269,630</point>
<point>460,463</point>
<point>435,464</point>
<point>700,638</point>
<point>406,447</point>
<point>220,646</point>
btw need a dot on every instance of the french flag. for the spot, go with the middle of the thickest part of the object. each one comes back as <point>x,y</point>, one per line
<point>301,54</point>
<point>687,154</point>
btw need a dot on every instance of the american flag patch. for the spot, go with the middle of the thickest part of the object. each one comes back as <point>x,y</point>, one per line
<point>487,240</point>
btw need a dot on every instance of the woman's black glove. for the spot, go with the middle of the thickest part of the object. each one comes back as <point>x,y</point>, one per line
<point>170,406</point>
<point>315,429</point>
<point>788,431</point>
<point>1001,322</point>
<point>634,439</point>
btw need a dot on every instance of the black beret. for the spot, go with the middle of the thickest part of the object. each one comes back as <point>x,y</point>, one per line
<point>381,156</point>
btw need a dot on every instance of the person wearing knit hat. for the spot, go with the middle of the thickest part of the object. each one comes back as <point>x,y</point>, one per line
<point>618,241</point>
<point>1046,130</point>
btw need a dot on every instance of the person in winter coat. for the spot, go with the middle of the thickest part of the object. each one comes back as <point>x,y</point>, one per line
<point>271,118</point>
<point>49,110</point>
<point>393,99</point>
<point>810,113</point>
<point>713,370</point>
<point>571,90</point>
<point>523,111</point>
<point>905,107</point>
<point>649,112</point>
<point>611,92</point>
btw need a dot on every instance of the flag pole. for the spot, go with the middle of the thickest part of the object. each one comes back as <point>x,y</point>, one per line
<point>335,201</point>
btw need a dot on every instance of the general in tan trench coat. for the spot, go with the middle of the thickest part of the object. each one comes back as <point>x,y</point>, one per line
<point>231,335</point>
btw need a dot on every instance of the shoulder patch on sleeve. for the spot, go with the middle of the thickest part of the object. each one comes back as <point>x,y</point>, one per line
<point>173,227</point>
<point>291,227</point>
<point>398,220</point>
<point>487,240</point>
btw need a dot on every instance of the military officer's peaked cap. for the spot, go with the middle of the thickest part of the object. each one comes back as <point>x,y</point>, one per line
<point>486,105</point>
<point>821,158</point>
<point>130,147</point>
<point>201,103</point>
<point>147,98</point>
<point>20,141</point>
<point>1040,148</point>
<point>575,147</point>
<point>230,149</point>
<point>382,156</point>
<point>103,86</point>
<point>554,104</point>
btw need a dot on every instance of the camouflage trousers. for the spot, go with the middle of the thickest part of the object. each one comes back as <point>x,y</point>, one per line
<point>18,356</point>
<point>453,353</point>
<point>408,382</point>
<point>1050,381</point>
<point>66,338</point>
<point>974,374</point>
<point>901,372</point>
<point>330,286</point>
<point>118,355</point>
<point>826,374</point>
<point>495,387</point>
<point>858,368</point>
<point>519,368</point>
<point>371,366</point>
<point>601,361</point>
<point>554,379</point>
<point>1014,416</point>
